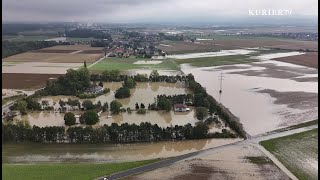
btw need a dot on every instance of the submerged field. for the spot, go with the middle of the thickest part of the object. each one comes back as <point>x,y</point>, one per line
<point>298,152</point>
<point>76,171</point>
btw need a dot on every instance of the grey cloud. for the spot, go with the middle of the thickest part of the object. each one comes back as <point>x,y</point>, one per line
<point>139,10</point>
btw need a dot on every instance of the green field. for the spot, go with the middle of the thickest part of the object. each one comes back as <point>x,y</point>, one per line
<point>298,152</point>
<point>215,61</point>
<point>76,171</point>
<point>123,64</point>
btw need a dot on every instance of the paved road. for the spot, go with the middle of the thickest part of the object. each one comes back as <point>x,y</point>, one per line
<point>252,141</point>
<point>102,58</point>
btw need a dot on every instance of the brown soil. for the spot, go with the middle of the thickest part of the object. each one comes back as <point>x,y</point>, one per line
<point>310,59</point>
<point>53,57</point>
<point>91,52</point>
<point>296,100</point>
<point>281,72</point>
<point>53,51</point>
<point>25,81</point>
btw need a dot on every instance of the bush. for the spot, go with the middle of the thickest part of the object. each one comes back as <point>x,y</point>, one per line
<point>115,107</point>
<point>88,104</point>
<point>69,119</point>
<point>201,113</point>
<point>89,117</point>
<point>129,83</point>
<point>129,110</point>
<point>141,111</point>
<point>122,92</point>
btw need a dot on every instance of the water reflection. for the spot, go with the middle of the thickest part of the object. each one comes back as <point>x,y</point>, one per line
<point>26,153</point>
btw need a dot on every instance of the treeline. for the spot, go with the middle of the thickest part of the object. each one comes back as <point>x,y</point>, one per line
<point>10,48</point>
<point>87,33</point>
<point>172,37</point>
<point>124,133</point>
<point>115,76</point>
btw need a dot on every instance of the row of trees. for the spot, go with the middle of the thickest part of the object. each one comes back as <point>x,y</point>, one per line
<point>124,133</point>
<point>207,104</point>
<point>115,76</point>
<point>10,48</point>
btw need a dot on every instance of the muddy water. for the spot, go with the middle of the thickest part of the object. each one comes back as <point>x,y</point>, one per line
<point>30,153</point>
<point>243,94</point>
<point>143,93</point>
<point>211,54</point>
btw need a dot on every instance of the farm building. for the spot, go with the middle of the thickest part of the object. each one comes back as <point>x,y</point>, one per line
<point>94,89</point>
<point>181,108</point>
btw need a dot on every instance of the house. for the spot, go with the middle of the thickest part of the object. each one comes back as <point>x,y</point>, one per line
<point>94,89</point>
<point>181,108</point>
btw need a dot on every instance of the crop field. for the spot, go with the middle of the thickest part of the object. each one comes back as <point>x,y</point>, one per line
<point>215,61</point>
<point>76,171</point>
<point>75,47</point>
<point>298,152</point>
<point>124,64</point>
<point>25,81</point>
<point>53,57</point>
<point>310,59</point>
<point>232,42</point>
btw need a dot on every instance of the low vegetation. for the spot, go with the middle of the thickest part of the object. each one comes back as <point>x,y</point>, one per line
<point>298,152</point>
<point>72,171</point>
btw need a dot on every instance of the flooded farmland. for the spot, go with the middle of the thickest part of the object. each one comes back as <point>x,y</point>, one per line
<point>143,93</point>
<point>33,153</point>
<point>264,95</point>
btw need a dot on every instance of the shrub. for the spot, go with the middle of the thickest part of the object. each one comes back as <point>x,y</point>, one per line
<point>89,117</point>
<point>141,111</point>
<point>122,92</point>
<point>69,119</point>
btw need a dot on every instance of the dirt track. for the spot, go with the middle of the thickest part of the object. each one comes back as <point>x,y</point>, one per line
<point>25,81</point>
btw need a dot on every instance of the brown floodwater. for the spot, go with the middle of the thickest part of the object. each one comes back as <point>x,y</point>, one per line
<point>143,93</point>
<point>33,153</point>
<point>247,93</point>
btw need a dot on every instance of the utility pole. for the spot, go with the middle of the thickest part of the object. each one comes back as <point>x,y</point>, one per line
<point>221,78</point>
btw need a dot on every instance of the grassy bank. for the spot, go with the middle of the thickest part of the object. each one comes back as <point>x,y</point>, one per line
<point>298,152</point>
<point>76,171</point>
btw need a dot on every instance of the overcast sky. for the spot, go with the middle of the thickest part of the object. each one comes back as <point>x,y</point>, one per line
<point>124,11</point>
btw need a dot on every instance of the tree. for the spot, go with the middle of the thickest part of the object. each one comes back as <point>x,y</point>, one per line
<point>115,107</point>
<point>105,107</point>
<point>154,75</point>
<point>99,104</point>
<point>62,103</point>
<point>200,130</point>
<point>101,84</point>
<point>129,83</point>
<point>201,113</point>
<point>122,92</point>
<point>137,106</point>
<point>88,104</point>
<point>69,119</point>
<point>85,64</point>
<point>22,107</point>
<point>142,106</point>
<point>90,117</point>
